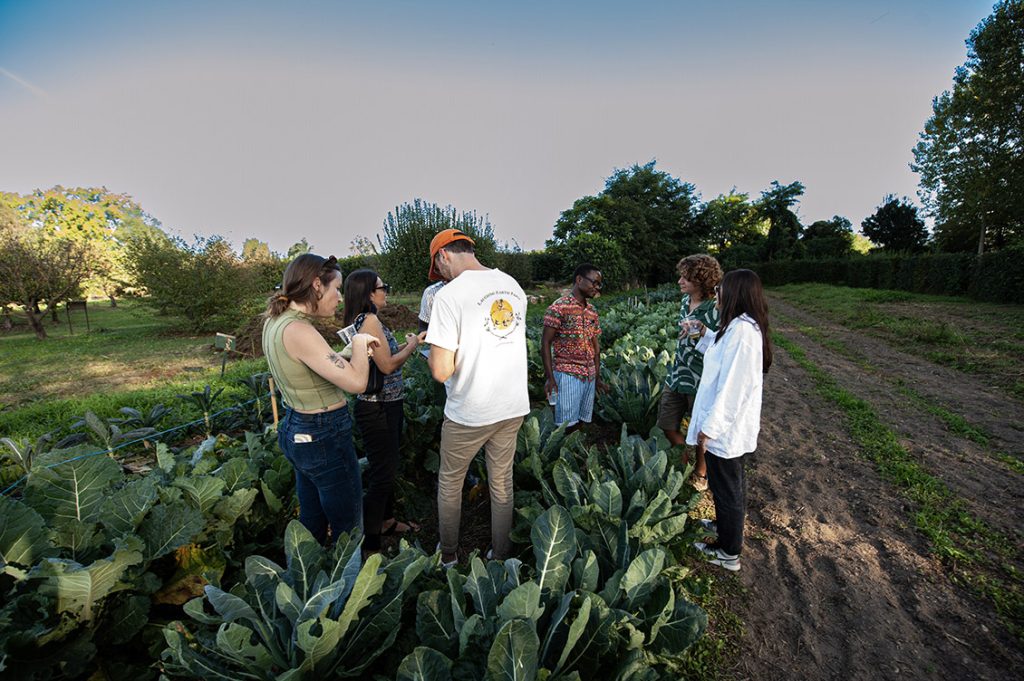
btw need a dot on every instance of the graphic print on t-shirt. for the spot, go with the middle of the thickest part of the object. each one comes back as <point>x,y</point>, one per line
<point>501,318</point>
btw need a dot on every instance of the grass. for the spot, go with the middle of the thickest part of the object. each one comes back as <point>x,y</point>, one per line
<point>977,555</point>
<point>955,423</point>
<point>973,337</point>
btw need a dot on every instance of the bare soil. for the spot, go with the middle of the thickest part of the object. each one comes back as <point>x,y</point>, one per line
<point>837,583</point>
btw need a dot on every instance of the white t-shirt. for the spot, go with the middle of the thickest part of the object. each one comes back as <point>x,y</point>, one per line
<point>481,316</point>
<point>728,403</point>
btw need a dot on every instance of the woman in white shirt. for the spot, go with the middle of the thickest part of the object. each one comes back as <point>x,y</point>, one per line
<point>727,410</point>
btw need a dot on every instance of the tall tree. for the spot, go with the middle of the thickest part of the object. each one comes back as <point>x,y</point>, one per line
<point>647,212</point>
<point>405,243</point>
<point>896,226</point>
<point>733,230</point>
<point>776,206</point>
<point>971,154</point>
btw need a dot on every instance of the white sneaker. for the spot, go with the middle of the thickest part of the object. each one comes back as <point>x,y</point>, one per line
<point>446,565</point>
<point>717,556</point>
<point>709,526</point>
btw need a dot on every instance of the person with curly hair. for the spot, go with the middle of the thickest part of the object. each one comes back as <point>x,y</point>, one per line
<point>698,277</point>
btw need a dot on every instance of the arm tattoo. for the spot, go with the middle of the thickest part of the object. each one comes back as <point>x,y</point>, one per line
<point>337,360</point>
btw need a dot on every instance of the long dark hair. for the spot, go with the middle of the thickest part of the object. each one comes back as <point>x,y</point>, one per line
<point>359,286</point>
<point>741,292</point>
<point>297,284</point>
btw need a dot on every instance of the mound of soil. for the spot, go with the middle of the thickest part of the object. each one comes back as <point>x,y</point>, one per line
<point>249,338</point>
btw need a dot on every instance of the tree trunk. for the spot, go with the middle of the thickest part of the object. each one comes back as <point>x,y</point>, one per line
<point>7,324</point>
<point>113,301</point>
<point>35,323</point>
<point>53,314</point>
<point>981,241</point>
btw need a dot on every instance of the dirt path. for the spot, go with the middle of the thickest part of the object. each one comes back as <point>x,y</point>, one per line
<point>838,582</point>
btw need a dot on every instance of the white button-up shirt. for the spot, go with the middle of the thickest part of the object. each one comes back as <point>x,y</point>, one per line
<point>728,404</point>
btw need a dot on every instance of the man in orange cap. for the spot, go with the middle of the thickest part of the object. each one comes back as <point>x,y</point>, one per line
<point>478,338</point>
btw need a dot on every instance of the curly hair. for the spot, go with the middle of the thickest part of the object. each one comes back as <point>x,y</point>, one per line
<point>702,270</point>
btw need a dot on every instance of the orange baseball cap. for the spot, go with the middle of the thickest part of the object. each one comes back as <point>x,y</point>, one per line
<point>442,239</point>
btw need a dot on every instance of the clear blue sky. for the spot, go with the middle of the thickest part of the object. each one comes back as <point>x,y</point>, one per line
<point>284,120</point>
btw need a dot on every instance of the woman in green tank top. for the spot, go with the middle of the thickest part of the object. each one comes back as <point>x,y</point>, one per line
<point>316,431</point>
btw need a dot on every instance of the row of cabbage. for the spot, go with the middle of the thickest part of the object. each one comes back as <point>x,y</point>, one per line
<point>98,565</point>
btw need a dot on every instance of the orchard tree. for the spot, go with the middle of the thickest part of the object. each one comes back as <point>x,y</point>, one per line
<point>37,268</point>
<point>971,154</point>
<point>405,243</point>
<point>733,230</point>
<point>648,213</point>
<point>828,238</point>
<point>895,226</point>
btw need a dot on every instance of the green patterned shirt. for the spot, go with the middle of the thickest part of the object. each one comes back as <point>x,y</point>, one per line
<point>684,376</point>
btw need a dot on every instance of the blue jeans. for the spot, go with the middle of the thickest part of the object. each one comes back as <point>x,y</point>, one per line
<point>319,447</point>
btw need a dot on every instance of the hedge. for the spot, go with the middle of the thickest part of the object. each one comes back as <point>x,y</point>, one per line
<point>994,277</point>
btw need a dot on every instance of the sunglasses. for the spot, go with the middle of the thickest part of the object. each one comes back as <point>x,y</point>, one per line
<point>385,287</point>
<point>596,284</point>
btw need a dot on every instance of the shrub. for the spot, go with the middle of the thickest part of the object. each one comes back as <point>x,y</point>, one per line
<point>201,282</point>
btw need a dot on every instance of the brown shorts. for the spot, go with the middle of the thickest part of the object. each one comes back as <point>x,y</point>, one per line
<point>673,408</point>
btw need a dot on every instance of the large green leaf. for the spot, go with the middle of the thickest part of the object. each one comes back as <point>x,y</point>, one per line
<point>586,572</point>
<point>71,490</point>
<point>568,484</point>
<point>513,655</point>
<point>368,584</point>
<point>78,538</point>
<point>639,579</point>
<point>77,589</point>
<point>576,630</point>
<point>554,546</point>
<point>424,664</point>
<point>435,624</point>
<point>682,629</point>
<point>229,606</point>
<point>125,508</point>
<point>202,491</point>
<point>607,496</point>
<point>483,588</point>
<point>22,535</point>
<point>167,527</point>
<point>237,474</point>
<point>305,558</point>
<point>523,602</point>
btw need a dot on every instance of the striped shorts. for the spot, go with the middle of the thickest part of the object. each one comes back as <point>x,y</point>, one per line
<point>575,399</point>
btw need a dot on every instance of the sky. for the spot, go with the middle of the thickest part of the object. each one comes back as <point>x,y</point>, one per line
<point>315,119</point>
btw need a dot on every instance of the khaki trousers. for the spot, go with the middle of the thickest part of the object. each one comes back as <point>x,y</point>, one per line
<point>459,444</point>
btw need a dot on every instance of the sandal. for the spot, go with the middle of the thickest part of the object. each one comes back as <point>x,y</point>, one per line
<point>395,527</point>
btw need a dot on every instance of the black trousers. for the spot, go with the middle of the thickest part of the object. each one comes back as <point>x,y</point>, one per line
<point>729,488</point>
<point>380,424</point>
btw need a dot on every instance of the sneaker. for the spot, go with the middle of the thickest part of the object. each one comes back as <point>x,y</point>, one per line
<point>717,556</point>
<point>709,526</point>
<point>446,565</point>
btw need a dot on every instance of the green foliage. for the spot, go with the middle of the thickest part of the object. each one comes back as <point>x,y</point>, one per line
<point>734,229</point>
<point>641,210</point>
<point>405,243</point>
<point>969,154</point>
<point>995,277</point>
<point>776,206</point>
<point>200,282</point>
<point>896,226</point>
<point>321,616</point>
<point>828,239</point>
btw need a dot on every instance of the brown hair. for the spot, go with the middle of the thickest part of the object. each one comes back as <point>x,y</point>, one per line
<point>742,293</point>
<point>359,286</point>
<point>702,270</point>
<point>297,284</point>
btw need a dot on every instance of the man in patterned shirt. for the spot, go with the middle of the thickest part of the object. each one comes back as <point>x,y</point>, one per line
<point>571,332</point>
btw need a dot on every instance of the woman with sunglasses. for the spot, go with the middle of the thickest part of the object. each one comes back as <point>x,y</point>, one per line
<point>316,431</point>
<point>727,410</point>
<point>380,415</point>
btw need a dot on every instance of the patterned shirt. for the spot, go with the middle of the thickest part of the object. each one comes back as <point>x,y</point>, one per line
<point>576,326</point>
<point>393,384</point>
<point>684,376</point>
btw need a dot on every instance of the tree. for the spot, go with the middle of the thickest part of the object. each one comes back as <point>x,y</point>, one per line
<point>362,246</point>
<point>405,244</point>
<point>254,250</point>
<point>36,268</point>
<point>648,213</point>
<point>971,154</point>
<point>775,206</point>
<point>895,226</point>
<point>733,230</point>
<point>298,248</point>
<point>828,238</point>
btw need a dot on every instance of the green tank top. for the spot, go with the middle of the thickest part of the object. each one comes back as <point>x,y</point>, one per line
<point>301,387</point>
